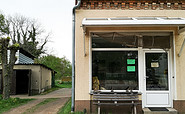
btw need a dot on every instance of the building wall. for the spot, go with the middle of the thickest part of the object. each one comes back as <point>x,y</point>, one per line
<point>41,77</point>
<point>82,70</point>
<point>82,63</point>
<point>180,66</point>
<point>35,75</point>
<point>46,78</point>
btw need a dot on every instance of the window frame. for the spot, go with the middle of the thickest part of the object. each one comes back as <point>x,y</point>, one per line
<point>140,57</point>
<point>110,49</point>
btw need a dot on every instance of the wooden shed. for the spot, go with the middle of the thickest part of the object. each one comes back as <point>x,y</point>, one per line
<point>29,78</point>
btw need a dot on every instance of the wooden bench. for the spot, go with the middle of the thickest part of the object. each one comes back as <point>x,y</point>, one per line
<point>116,99</point>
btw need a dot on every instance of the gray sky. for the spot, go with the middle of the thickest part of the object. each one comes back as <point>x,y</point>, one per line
<point>55,16</point>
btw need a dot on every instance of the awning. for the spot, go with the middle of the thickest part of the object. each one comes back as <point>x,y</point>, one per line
<point>136,21</point>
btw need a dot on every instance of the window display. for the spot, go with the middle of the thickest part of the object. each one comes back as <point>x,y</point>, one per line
<point>117,70</point>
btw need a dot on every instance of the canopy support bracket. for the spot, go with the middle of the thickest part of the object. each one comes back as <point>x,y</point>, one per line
<point>84,33</point>
<point>181,30</point>
<point>182,47</point>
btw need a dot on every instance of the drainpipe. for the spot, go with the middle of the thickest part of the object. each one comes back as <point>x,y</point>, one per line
<point>73,56</point>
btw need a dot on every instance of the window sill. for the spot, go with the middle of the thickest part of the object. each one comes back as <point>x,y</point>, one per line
<point>115,91</point>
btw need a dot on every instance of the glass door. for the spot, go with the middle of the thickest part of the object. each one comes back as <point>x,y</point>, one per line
<point>156,71</point>
<point>157,79</point>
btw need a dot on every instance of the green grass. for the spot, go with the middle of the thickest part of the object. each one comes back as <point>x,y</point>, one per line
<point>66,109</point>
<point>6,105</point>
<point>58,86</point>
<point>63,84</point>
<point>32,109</point>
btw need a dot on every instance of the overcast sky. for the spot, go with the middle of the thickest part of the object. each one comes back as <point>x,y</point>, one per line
<point>55,16</point>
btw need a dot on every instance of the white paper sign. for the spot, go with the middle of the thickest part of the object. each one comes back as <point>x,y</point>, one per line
<point>155,64</point>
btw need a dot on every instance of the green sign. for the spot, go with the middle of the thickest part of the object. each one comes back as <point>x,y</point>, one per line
<point>131,69</point>
<point>130,61</point>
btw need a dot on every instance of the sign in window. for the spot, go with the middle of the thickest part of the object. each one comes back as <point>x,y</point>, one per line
<point>117,70</point>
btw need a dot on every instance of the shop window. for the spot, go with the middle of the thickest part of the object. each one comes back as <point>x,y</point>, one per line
<point>118,70</point>
<point>115,70</point>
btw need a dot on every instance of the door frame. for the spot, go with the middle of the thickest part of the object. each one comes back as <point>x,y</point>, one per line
<point>144,96</point>
<point>29,83</point>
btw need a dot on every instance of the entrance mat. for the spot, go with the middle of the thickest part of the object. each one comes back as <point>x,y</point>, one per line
<point>158,109</point>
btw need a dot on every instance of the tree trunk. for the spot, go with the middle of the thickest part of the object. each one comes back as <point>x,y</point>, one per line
<point>6,87</point>
<point>7,68</point>
<point>11,65</point>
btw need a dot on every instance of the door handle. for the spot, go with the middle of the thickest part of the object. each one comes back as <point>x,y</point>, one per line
<point>147,76</point>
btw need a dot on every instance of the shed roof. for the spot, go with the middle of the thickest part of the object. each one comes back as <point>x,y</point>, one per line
<point>26,53</point>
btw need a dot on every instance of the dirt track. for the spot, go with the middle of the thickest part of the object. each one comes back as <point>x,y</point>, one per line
<point>50,108</point>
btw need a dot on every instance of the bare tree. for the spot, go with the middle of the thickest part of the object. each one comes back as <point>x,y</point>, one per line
<point>3,26</point>
<point>23,32</point>
<point>27,33</point>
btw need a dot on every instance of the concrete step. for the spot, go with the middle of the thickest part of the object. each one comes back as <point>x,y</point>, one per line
<point>148,111</point>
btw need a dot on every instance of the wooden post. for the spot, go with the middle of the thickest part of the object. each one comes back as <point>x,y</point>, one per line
<point>99,108</point>
<point>135,111</point>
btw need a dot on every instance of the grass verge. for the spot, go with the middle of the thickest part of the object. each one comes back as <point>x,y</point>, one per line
<point>58,86</point>
<point>63,84</point>
<point>66,109</point>
<point>10,103</point>
<point>32,109</point>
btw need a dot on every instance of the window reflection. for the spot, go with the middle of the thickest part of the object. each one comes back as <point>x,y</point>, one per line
<point>117,70</point>
<point>156,71</point>
<point>114,40</point>
<point>131,40</point>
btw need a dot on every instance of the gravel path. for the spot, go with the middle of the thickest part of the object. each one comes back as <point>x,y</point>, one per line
<point>23,108</point>
<point>64,92</point>
<point>52,107</point>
